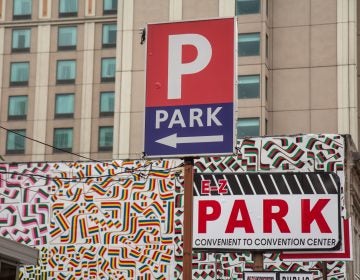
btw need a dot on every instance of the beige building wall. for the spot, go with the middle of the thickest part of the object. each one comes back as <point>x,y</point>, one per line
<point>308,77</point>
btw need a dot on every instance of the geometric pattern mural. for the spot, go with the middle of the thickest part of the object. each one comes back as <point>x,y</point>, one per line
<point>123,219</point>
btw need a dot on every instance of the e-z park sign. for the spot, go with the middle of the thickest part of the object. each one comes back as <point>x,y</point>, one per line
<point>190,88</point>
<point>266,211</point>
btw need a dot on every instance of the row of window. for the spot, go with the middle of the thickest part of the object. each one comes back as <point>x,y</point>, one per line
<point>65,71</point>
<point>63,139</point>
<point>64,105</point>
<point>67,38</point>
<point>67,8</point>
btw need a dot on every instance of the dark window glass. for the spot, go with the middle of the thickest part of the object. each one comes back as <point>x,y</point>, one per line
<point>17,107</point>
<point>21,40</point>
<point>63,139</point>
<point>68,8</point>
<point>64,105</point>
<point>105,138</point>
<point>249,44</point>
<point>248,127</point>
<point>109,35</point>
<point>108,69</point>
<point>248,86</point>
<point>67,37</point>
<point>19,75</point>
<point>66,72</point>
<point>8,271</point>
<point>245,7</point>
<point>107,103</point>
<point>110,7</point>
<point>22,9</point>
<point>15,142</point>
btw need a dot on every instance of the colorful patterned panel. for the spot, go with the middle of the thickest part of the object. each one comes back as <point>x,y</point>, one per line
<point>123,219</point>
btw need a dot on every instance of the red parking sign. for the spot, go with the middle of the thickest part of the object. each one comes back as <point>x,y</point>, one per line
<point>190,88</point>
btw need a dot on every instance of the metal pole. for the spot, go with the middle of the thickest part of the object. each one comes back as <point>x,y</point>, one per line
<point>258,259</point>
<point>188,209</point>
<point>324,270</point>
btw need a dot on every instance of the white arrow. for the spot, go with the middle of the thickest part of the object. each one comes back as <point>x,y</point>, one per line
<point>172,140</point>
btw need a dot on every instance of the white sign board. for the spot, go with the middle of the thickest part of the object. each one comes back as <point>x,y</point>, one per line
<point>266,211</point>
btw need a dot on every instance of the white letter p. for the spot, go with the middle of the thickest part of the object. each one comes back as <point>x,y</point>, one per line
<point>175,66</point>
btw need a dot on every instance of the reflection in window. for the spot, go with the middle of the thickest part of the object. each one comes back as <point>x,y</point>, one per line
<point>105,138</point>
<point>68,8</point>
<point>107,103</point>
<point>248,86</point>
<point>15,142</point>
<point>19,75</point>
<point>249,44</point>
<point>17,107</point>
<point>245,7</point>
<point>248,127</point>
<point>21,40</point>
<point>108,69</point>
<point>110,7</point>
<point>22,9</point>
<point>67,38</point>
<point>109,35</point>
<point>63,139</point>
<point>64,105</point>
<point>66,72</point>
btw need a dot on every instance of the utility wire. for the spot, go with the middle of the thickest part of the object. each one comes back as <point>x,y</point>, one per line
<point>48,145</point>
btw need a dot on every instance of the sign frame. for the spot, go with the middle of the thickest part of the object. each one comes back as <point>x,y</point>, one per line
<point>220,149</point>
<point>214,188</point>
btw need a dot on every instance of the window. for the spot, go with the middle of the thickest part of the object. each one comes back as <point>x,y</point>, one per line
<point>245,7</point>
<point>108,69</point>
<point>107,103</point>
<point>267,46</point>
<point>68,8</point>
<point>249,44</point>
<point>105,138</point>
<point>66,72</point>
<point>22,9</point>
<point>21,40</point>
<point>248,127</point>
<point>110,7</point>
<point>248,86</point>
<point>109,35</point>
<point>17,107</point>
<point>63,139</point>
<point>15,142</point>
<point>67,38</point>
<point>19,75</point>
<point>64,105</point>
<point>266,88</point>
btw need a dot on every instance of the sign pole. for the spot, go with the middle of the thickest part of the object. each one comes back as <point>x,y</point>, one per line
<point>258,259</point>
<point>188,217</point>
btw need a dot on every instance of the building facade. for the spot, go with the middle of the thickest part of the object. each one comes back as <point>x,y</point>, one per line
<point>73,71</point>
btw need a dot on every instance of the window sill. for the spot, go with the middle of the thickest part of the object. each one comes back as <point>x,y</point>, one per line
<point>15,152</point>
<point>17,118</point>
<point>64,116</point>
<point>106,114</point>
<point>107,80</point>
<point>19,84</point>
<point>20,17</point>
<point>108,46</point>
<point>62,151</point>
<point>110,12</point>
<point>65,82</point>
<point>66,48</point>
<point>20,50</point>
<point>105,149</point>
<point>68,14</point>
